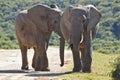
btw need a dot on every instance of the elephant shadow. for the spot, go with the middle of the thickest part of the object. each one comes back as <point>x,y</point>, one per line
<point>13,71</point>
<point>47,74</point>
<point>34,73</point>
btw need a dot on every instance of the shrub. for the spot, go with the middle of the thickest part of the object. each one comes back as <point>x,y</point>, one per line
<point>116,71</point>
<point>106,46</point>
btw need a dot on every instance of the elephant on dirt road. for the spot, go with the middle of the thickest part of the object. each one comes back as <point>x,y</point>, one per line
<point>33,29</point>
<point>78,26</point>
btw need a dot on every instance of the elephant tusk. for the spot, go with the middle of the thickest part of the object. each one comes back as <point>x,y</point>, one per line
<point>81,39</point>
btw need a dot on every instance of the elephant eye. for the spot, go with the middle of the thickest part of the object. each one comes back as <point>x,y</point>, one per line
<point>55,22</point>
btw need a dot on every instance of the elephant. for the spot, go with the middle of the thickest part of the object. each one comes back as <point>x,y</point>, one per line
<point>33,30</point>
<point>79,27</point>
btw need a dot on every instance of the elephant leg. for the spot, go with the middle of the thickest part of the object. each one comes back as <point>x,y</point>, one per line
<point>44,59</point>
<point>76,59</point>
<point>24,57</point>
<point>41,60</point>
<point>86,53</point>
<point>86,60</point>
<point>45,64</point>
<point>82,56</point>
<point>33,60</point>
<point>75,50</point>
<point>82,52</point>
<point>36,59</point>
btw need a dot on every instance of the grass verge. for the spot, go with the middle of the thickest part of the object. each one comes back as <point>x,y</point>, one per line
<point>101,69</point>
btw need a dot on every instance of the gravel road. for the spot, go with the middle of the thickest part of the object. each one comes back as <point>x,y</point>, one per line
<point>10,64</point>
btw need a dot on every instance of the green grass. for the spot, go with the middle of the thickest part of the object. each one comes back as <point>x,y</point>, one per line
<point>101,69</point>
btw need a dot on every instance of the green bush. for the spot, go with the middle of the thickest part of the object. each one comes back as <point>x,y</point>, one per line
<point>116,71</point>
<point>107,46</point>
<point>54,40</point>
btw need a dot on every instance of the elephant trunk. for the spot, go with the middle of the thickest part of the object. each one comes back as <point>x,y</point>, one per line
<point>62,45</point>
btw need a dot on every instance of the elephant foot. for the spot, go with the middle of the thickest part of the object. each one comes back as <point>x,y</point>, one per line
<point>44,69</point>
<point>33,65</point>
<point>25,68</point>
<point>76,69</point>
<point>86,70</point>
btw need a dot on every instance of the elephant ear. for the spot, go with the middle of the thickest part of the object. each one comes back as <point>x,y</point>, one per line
<point>38,15</point>
<point>93,18</point>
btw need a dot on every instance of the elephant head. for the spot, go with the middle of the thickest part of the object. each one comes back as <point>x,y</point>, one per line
<point>78,26</point>
<point>93,17</point>
<point>45,16</point>
<point>90,30</point>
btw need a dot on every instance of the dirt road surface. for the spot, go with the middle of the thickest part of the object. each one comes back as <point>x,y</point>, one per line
<point>10,64</point>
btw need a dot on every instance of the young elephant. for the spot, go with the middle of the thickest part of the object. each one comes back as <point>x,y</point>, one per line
<point>78,26</point>
<point>33,29</point>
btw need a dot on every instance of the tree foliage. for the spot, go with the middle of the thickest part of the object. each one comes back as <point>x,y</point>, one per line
<point>109,25</point>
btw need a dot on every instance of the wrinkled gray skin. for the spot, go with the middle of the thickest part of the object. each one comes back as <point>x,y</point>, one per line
<point>33,29</point>
<point>78,26</point>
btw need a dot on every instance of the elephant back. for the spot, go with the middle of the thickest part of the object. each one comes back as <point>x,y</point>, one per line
<point>66,17</point>
<point>39,16</point>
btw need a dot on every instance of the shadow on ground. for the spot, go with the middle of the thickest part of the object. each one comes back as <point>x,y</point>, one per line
<point>33,73</point>
<point>47,74</point>
<point>14,71</point>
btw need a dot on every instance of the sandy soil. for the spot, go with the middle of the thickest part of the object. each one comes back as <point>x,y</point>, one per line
<point>10,64</point>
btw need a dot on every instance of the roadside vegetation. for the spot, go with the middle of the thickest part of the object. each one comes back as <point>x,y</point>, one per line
<point>102,66</point>
<point>116,69</point>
